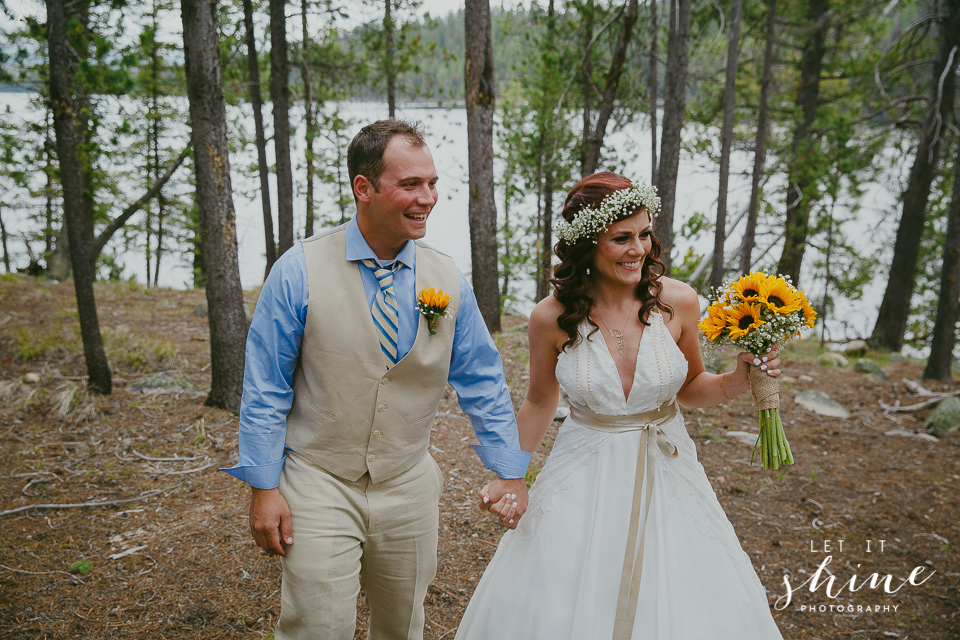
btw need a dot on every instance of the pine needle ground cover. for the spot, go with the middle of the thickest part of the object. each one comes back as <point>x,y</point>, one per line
<point>172,558</point>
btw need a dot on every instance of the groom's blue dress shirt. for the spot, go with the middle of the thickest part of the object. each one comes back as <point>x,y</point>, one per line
<point>273,347</point>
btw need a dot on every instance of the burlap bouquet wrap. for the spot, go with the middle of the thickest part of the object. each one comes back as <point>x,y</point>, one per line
<point>765,390</point>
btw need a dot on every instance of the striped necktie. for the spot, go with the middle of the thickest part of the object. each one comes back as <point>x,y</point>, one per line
<point>385,312</point>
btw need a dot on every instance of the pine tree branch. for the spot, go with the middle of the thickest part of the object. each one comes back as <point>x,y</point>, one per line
<point>101,240</point>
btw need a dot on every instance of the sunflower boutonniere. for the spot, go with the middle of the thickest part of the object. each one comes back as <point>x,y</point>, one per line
<point>433,305</point>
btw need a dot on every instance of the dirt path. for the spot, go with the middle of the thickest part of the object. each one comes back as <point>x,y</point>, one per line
<point>175,561</point>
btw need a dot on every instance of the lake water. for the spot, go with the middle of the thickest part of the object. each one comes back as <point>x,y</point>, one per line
<point>870,221</point>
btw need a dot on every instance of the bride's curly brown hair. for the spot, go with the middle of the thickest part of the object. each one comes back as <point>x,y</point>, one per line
<point>571,282</point>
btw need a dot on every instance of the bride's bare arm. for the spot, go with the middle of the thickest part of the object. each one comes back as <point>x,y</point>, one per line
<point>540,405</point>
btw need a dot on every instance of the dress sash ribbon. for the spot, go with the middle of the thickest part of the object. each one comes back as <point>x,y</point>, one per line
<point>649,422</point>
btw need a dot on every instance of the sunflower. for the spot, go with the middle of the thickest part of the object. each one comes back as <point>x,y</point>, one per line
<point>749,287</point>
<point>742,319</point>
<point>809,314</point>
<point>433,299</point>
<point>779,296</point>
<point>715,322</point>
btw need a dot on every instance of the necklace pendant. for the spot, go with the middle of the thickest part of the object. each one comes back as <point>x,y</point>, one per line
<point>620,345</point>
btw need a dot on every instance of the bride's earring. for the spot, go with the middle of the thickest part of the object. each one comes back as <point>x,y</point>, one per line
<point>588,270</point>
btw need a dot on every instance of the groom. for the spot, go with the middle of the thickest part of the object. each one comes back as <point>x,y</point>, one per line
<point>341,384</point>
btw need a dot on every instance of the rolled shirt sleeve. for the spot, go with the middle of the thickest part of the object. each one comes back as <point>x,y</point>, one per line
<point>476,374</point>
<point>273,346</point>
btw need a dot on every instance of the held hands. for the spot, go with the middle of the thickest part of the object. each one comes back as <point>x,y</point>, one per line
<point>506,499</point>
<point>270,521</point>
<point>737,381</point>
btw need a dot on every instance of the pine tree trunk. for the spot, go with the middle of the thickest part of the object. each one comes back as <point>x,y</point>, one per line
<point>587,94</point>
<point>801,186</point>
<point>726,140</point>
<point>948,306</point>
<point>3,241</point>
<point>674,106</point>
<point>208,120</point>
<point>895,306</point>
<point>280,96</point>
<point>71,179</point>
<point>388,62</point>
<point>760,141</point>
<point>481,104</point>
<point>308,119</point>
<point>546,255</point>
<point>611,82</point>
<point>263,169</point>
<point>653,89</point>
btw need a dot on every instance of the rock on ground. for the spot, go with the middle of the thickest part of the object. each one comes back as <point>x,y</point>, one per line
<point>162,383</point>
<point>820,403</point>
<point>871,368</point>
<point>856,347</point>
<point>945,418</point>
<point>832,359</point>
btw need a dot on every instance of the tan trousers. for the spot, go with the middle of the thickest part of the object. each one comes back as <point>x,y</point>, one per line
<point>382,537</point>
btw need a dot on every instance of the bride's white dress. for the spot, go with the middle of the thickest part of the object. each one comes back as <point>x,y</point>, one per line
<point>558,574</point>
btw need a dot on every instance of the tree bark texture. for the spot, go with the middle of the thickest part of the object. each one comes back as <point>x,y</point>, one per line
<point>726,140</point>
<point>308,118</point>
<point>948,306</point>
<point>760,140</point>
<point>481,104</point>
<point>208,120</point>
<point>588,88</point>
<point>611,82</point>
<point>71,179</point>
<point>801,181</point>
<point>280,96</point>
<point>546,255</point>
<point>256,102</point>
<point>389,68</point>
<point>895,306</point>
<point>3,242</point>
<point>653,89</point>
<point>674,105</point>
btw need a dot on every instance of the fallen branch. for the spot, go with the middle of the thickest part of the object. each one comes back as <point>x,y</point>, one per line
<point>887,408</point>
<point>143,457</point>
<point>41,573</point>
<point>85,505</point>
<point>127,552</point>
<point>184,472</point>
<point>919,390</point>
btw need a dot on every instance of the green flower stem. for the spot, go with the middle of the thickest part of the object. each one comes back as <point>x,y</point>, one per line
<point>774,448</point>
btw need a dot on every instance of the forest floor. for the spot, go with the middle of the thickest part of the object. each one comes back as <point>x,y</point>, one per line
<point>176,560</point>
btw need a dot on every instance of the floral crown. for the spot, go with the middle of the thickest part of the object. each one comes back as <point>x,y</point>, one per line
<point>591,222</point>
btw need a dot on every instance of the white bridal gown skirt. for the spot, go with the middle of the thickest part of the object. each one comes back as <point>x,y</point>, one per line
<point>558,575</point>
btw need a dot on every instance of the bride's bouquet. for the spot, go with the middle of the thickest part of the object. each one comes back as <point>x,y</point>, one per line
<point>753,314</point>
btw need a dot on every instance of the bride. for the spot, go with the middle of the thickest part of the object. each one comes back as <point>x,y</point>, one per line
<point>623,537</point>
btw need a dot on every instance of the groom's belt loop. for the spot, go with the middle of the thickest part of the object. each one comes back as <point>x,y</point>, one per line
<point>648,422</point>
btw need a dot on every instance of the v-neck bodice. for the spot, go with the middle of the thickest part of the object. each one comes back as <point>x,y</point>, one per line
<point>589,374</point>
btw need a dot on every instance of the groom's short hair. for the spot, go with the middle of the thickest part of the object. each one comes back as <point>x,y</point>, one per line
<point>365,153</point>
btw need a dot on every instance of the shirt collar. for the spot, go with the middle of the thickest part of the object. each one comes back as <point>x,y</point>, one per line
<point>358,249</point>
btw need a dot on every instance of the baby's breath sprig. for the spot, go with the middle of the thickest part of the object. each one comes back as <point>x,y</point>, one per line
<point>591,222</point>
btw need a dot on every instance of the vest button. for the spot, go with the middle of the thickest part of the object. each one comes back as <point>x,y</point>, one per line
<point>371,458</point>
<point>384,380</point>
<point>381,407</point>
<point>376,434</point>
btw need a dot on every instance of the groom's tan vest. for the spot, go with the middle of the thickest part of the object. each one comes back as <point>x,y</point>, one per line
<point>350,415</point>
